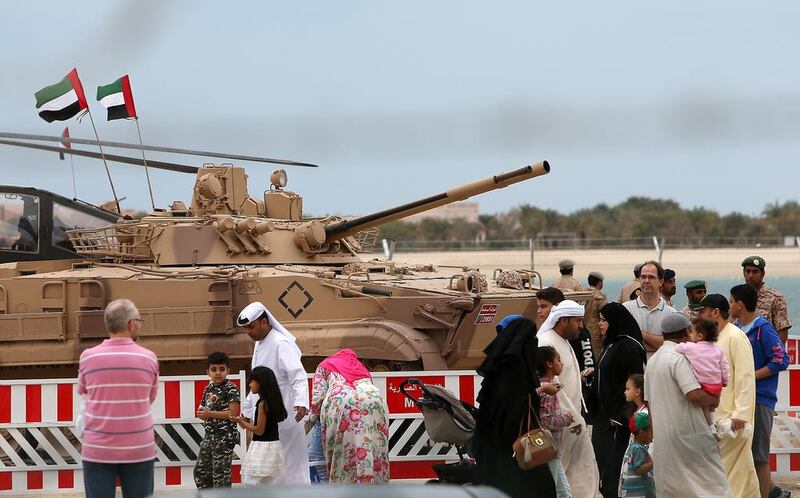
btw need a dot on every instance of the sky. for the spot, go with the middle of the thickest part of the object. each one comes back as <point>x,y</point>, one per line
<point>693,101</point>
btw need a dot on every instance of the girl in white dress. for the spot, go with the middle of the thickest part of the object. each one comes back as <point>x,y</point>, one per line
<point>264,458</point>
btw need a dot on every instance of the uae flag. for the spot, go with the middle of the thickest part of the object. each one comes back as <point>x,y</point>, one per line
<point>118,99</point>
<point>63,100</point>
<point>65,142</point>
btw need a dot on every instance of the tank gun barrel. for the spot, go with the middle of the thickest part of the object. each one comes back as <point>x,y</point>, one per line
<point>345,228</point>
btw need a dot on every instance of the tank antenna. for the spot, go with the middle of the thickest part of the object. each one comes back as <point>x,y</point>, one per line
<point>103,155</point>
<point>149,187</point>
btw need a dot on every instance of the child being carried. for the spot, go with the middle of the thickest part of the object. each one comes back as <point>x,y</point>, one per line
<point>708,362</point>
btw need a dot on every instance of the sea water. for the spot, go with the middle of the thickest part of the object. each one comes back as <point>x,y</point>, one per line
<point>789,286</point>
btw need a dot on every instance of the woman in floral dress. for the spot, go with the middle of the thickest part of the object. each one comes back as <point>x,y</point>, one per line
<point>355,430</point>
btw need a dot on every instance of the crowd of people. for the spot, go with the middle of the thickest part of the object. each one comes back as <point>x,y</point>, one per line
<point>119,381</point>
<point>678,403</point>
<point>640,399</point>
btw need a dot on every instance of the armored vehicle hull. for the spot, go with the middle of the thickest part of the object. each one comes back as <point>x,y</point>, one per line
<point>408,318</point>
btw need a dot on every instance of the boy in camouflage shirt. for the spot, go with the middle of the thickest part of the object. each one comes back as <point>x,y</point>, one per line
<point>220,399</point>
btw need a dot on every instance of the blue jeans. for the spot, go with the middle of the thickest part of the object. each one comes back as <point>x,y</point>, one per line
<point>136,479</point>
<point>560,477</point>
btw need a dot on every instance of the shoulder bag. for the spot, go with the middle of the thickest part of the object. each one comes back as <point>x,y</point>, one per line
<point>535,447</point>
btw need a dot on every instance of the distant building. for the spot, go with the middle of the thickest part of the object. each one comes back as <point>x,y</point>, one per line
<point>468,211</point>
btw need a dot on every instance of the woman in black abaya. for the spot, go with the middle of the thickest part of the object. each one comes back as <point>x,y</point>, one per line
<point>623,355</point>
<point>509,378</point>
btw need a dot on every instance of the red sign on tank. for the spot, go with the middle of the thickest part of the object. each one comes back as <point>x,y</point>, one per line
<point>486,314</point>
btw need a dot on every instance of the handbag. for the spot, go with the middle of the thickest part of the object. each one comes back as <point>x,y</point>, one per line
<point>535,447</point>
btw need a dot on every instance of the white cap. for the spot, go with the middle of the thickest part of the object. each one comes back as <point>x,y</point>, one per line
<point>251,313</point>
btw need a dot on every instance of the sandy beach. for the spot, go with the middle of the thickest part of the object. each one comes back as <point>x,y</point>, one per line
<point>618,263</point>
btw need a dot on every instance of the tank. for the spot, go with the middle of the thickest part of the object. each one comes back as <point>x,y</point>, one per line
<point>192,267</point>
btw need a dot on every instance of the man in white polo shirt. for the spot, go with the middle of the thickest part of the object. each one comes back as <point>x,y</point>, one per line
<point>650,308</point>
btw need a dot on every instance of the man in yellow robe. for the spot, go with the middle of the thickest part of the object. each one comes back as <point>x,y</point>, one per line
<point>738,399</point>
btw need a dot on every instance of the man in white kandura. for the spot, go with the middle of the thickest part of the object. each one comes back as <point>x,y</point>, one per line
<point>275,348</point>
<point>577,453</point>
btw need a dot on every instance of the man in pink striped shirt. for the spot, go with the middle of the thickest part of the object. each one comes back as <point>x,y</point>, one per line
<point>119,380</point>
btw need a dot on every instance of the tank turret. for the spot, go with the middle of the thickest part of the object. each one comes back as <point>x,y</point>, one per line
<point>222,190</point>
<point>225,225</point>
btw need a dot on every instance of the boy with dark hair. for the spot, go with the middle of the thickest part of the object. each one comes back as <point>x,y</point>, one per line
<point>769,358</point>
<point>220,400</point>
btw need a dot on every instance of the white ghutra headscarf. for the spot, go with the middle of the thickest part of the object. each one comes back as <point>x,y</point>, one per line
<point>564,309</point>
<point>253,311</point>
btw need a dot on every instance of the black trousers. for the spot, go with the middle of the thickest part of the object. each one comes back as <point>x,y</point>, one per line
<point>610,443</point>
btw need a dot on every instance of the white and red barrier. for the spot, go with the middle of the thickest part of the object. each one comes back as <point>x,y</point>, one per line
<point>785,448</point>
<point>41,412</point>
<point>40,453</point>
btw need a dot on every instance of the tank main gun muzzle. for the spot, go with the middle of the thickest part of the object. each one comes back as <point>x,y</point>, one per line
<point>342,229</point>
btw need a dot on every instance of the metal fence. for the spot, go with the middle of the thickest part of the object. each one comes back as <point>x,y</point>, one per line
<point>577,243</point>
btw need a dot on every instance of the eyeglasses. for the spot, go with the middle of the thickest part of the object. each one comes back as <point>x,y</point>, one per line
<point>137,320</point>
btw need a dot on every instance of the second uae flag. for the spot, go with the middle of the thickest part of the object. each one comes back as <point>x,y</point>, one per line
<point>117,98</point>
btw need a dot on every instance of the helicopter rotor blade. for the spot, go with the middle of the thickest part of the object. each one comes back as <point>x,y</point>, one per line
<point>110,157</point>
<point>155,148</point>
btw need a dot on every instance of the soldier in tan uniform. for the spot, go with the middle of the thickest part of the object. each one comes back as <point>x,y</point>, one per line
<point>695,292</point>
<point>592,316</point>
<point>632,289</point>
<point>771,303</point>
<point>567,281</point>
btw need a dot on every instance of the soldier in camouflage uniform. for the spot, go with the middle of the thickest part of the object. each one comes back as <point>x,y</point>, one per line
<point>771,303</point>
<point>695,292</point>
<point>220,399</point>
<point>591,318</point>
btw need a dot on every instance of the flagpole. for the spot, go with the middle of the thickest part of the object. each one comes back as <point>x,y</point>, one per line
<point>102,154</point>
<point>74,187</point>
<point>67,145</point>
<point>149,187</point>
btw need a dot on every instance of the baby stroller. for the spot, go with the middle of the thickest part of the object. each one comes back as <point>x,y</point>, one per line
<point>447,420</point>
